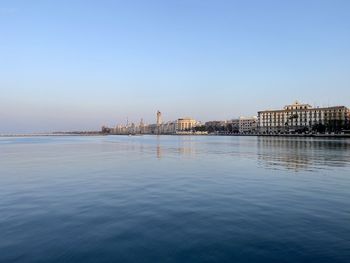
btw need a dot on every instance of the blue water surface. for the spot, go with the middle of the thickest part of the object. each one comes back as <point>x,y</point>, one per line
<point>174,199</point>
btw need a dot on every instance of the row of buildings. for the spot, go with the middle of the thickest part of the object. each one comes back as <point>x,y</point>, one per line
<point>293,118</point>
<point>299,117</point>
<point>181,125</point>
<point>242,125</point>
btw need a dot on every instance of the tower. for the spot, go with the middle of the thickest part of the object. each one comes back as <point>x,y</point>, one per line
<point>159,121</point>
<point>142,126</point>
<point>159,118</point>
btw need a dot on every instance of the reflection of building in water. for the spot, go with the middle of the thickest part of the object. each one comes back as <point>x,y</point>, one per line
<point>186,150</point>
<point>159,151</point>
<point>184,147</point>
<point>291,154</point>
<point>302,154</point>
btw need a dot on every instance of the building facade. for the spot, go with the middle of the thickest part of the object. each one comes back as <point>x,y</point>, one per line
<point>242,125</point>
<point>184,124</point>
<point>248,125</point>
<point>299,117</point>
<point>159,118</point>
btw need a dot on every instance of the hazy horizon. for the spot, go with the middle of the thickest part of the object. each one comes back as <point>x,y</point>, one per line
<point>78,65</point>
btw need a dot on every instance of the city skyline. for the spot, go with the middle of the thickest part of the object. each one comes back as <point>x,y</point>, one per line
<point>77,66</point>
<point>296,118</point>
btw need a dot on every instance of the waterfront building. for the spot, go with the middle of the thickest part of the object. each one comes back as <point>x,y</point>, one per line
<point>159,122</point>
<point>105,129</point>
<point>159,118</point>
<point>248,125</point>
<point>184,124</point>
<point>242,125</point>
<point>169,127</point>
<point>215,123</point>
<point>299,117</point>
<point>233,126</point>
<point>142,127</point>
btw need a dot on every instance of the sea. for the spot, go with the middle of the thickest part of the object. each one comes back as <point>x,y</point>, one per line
<point>174,199</point>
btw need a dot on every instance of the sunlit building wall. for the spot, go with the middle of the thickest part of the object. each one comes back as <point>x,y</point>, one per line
<point>298,116</point>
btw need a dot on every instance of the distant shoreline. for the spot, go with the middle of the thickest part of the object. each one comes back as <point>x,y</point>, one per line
<point>233,135</point>
<point>52,135</point>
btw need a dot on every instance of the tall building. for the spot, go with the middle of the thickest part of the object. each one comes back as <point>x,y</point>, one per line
<point>159,118</point>
<point>142,127</point>
<point>159,122</point>
<point>302,117</point>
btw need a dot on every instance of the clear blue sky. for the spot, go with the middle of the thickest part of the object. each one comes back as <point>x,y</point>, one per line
<point>75,65</point>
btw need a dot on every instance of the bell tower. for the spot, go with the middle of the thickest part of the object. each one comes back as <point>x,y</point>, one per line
<point>159,121</point>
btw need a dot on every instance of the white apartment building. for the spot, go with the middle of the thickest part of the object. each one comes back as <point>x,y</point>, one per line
<point>298,116</point>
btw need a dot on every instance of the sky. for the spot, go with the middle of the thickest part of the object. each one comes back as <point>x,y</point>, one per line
<point>78,65</point>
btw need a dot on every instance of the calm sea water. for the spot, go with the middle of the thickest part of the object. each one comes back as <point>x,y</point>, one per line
<point>174,199</point>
